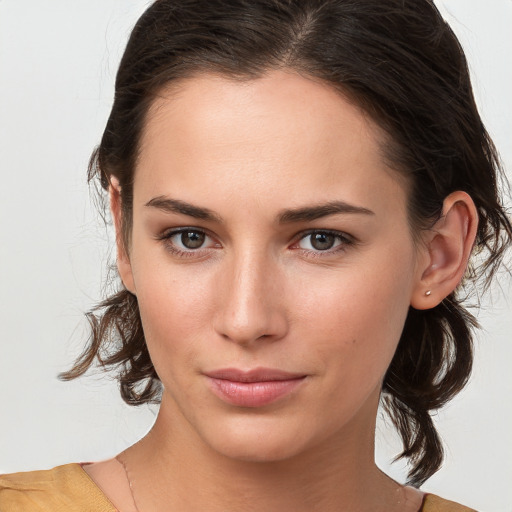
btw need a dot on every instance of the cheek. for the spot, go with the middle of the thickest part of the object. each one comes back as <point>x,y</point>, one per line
<point>174,307</point>
<point>355,294</point>
<point>171,307</point>
<point>357,313</point>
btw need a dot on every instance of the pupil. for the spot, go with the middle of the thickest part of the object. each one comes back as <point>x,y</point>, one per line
<point>192,239</point>
<point>322,241</point>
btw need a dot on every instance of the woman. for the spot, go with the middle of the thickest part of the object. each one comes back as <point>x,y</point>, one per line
<point>297,190</point>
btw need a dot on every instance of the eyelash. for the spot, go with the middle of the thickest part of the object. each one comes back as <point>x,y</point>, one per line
<point>171,247</point>
<point>344,240</point>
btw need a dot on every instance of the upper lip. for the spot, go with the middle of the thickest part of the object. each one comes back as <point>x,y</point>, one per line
<point>253,375</point>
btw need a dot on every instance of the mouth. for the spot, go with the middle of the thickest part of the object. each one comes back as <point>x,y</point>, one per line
<point>253,388</point>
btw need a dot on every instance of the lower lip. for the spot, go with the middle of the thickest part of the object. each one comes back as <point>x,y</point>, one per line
<point>253,394</point>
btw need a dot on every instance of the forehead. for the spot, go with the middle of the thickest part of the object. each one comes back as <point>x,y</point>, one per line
<point>281,132</point>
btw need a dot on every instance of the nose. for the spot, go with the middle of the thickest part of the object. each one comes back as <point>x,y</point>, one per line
<point>251,303</point>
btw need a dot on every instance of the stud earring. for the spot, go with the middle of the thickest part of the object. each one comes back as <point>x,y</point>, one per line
<point>428,293</point>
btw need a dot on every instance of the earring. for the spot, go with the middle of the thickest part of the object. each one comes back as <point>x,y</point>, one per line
<point>428,293</point>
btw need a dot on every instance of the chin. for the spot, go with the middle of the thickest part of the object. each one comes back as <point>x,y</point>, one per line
<point>257,443</point>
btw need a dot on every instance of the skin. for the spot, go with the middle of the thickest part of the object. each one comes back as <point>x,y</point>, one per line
<point>257,293</point>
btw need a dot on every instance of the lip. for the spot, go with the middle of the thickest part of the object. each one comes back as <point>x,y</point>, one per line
<point>253,388</point>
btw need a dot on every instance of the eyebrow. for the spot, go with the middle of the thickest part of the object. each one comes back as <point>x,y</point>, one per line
<point>288,216</point>
<point>169,205</point>
<point>309,213</point>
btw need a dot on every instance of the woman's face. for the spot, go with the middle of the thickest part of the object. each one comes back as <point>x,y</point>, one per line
<point>272,261</point>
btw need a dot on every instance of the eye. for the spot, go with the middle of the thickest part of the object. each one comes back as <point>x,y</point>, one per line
<point>323,241</point>
<point>187,241</point>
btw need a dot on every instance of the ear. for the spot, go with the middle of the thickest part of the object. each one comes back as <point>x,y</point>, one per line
<point>123,261</point>
<point>448,246</point>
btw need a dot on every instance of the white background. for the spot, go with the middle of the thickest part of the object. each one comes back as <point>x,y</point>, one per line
<point>58,59</point>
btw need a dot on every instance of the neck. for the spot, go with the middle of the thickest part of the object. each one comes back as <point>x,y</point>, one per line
<point>173,469</point>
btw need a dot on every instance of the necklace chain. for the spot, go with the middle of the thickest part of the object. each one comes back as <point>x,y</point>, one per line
<point>123,463</point>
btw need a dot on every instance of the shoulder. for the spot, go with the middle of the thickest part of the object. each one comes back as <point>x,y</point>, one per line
<point>64,488</point>
<point>433,503</point>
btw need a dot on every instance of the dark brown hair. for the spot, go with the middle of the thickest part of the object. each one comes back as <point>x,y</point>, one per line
<point>402,64</point>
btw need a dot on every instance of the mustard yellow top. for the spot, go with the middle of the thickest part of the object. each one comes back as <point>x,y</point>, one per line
<point>62,489</point>
<point>69,489</point>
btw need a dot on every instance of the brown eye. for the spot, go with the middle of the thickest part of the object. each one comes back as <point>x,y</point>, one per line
<point>188,242</point>
<point>192,239</point>
<point>322,241</point>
